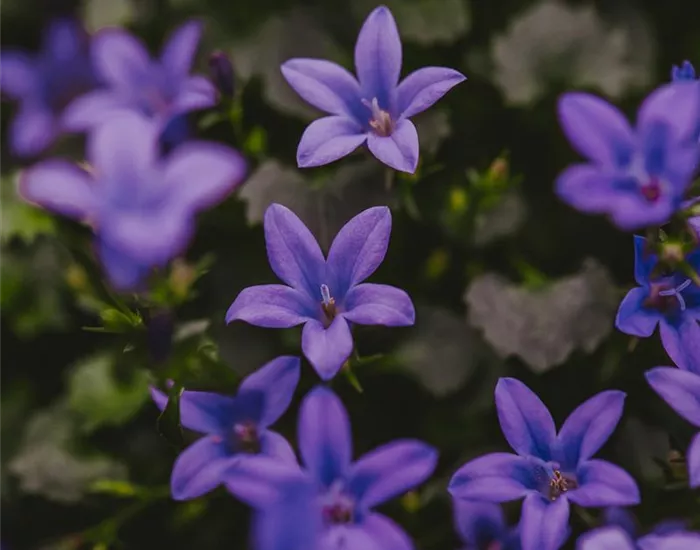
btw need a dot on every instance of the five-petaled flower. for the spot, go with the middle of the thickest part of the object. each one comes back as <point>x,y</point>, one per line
<point>375,109</point>
<point>157,88</point>
<point>671,301</point>
<point>338,494</point>
<point>550,468</point>
<point>324,294</point>
<point>620,533</point>
<point>236,427</point>
<point>142,207</point>
<point>636,176</point>
<point>46,84</point>
<point>482,526</point>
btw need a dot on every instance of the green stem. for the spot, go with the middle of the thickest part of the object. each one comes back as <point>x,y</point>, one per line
<point>389,175</point>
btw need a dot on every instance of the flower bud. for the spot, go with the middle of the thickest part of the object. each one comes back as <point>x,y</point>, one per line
<point>221,71</point>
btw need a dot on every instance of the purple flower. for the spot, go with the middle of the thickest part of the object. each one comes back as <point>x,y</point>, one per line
<point>620,534</point>
<point>685,72</point>
<point>142,207</point>
<point>481,526</point>
<point>550,469</point>
<point>325,295</point>
<point>681,390</point>
<point>235,427</point>
<point>45,84</point>
<point>157,88</point>
<point>338,494</point>
<point>636,176</point>
<point>671,301</point>
<point>376,109</point>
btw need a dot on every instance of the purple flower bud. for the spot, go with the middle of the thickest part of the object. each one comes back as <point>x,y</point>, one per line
<point>221,71</point>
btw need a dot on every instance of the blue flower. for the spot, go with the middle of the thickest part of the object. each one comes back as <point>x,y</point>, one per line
<point>481,526</point>
<point>550,469</point>
<point>159,88</point>
<point>45,84</point>
<point>376,109</point>
<point>142,207</point>
<point>329,503</point>
<point>685,72</point>
<point>235,427</point>
<point>671,301</point>
<point>636,176</point>
<point>325,295</point>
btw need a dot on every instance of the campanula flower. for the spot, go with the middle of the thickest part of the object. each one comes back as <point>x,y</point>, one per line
<point>681,390</point>
<point>374,108</point>
<point>221,71</point>
<point>325,295</point>
<point>636,176</point>
<point>141,207</point>
<point>339,493</point>
<point>671,301</point>
<point>45,84</point>
<point>685,72</point>
<point>620,533</point>
<point>550,469</point>
<point>157,88</point>
<point>482,526</point>
<point>235,427</point>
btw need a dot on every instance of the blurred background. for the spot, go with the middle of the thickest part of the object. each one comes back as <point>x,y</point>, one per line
<point>507,281</point>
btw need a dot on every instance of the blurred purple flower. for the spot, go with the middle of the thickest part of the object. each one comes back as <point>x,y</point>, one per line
<point>235,427</point>
<point>670,301</point>
<point>685,72</point>
<point>636,176</point>
<point>620,534</point>
<point>157,88</point>
<point>549,469</point>
<point>142,207</point>
<point>221,71</point>
<point>324,295</point>
<point>481,526</point>
<point>338,494</point>
<point>681,390</point>
<point>376,109</point>
<point>45,84</point>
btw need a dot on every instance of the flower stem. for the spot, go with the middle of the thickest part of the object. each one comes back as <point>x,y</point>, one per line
<point>388,179</point>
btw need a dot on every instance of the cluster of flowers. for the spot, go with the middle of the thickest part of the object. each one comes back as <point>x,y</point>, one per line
<point>141,203</point>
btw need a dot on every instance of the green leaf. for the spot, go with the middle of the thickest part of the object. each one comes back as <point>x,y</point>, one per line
<point>20,219</point>
<point>115,487</point>
<point>99,398</point>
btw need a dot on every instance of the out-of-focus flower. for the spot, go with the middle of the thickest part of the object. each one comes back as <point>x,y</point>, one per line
<point>550,469</point>
<point>376,109</point>
<point>142,207</point>
<point>671,301</point>
<point>636,176</point>
<point>158,88</point>
<point>685,72</point>
<point>221,71</point>
<point>45,84</point>
<point>481,526</point>
<point>325,295</point>
<point>235,427</point>
<point>338,495</point>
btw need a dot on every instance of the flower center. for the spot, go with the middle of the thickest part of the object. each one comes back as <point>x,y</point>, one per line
<point>664,297</point>
<point>328,304</point>
<point>494,545</point>
<point>336,507</point>
<point>246,440</point>
<point>651,189</point>
<point>381,121</point>
<point>560,483</point>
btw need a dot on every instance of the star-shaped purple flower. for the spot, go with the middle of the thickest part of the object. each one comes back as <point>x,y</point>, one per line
<point>157,88</point>
<point>326,295</point>
<point>636,176</point>
<point>142,207</point>
<point>681,390</point>
<point>620,533</point>
<point>550,469</point>
<point>482,526</point>
<point>671,301</point>
<point>376,109</point>
<point>339,494</point>
<point>235,427</point>
<point>45,84</point>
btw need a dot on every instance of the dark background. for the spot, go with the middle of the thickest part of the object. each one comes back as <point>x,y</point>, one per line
<point>507,281</point>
